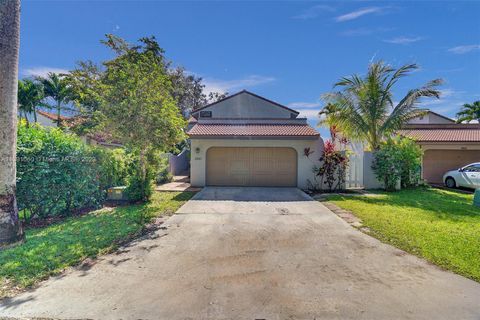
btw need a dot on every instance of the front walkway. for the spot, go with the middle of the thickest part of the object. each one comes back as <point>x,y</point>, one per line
<point>178,184</point>
<point>272,254</point>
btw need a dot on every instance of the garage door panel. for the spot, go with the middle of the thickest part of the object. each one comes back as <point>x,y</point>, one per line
<point>251,166</point>
<point>437,162</point>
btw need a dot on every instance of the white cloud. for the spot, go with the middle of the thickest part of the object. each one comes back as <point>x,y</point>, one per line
<point>304,105</point>
<point>451,70</point>
<point>448,92</point>
<point>41,71</point>
<point>403,40</point>
<point>449,103</point>
<point>364,31</point>
<point>218,85</point>
<point>358,13</point>
<point>313,12</point>
<point>310,114</point>
<point>357,32</point>
<point>464,49</point>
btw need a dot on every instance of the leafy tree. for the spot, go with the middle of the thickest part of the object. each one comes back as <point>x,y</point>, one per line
<point>56,87</point>
<point>137,104</point>
<point>469,112</point>
<point>83,83</point>
<point>11,230</point>
<point>188,91</point>
<point>30,95</point>
<point>364,109</point>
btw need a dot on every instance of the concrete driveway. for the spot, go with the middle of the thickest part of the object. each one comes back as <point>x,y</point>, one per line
<point>254,253</point>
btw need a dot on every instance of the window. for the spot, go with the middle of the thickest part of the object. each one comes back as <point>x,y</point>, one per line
<point>472,168</point>
<point>205,114</point>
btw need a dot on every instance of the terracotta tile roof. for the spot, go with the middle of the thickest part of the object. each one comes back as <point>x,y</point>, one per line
<point>466,134</point>
<point>52,116</point>
<point>267,130</point>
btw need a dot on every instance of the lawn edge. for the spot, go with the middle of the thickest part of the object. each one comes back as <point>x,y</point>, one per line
<point>337,210</point>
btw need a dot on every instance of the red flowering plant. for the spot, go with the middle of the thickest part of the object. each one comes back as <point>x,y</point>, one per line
<point>334,163</point>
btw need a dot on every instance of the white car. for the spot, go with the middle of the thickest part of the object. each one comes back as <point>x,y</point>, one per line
<point>468,177</point>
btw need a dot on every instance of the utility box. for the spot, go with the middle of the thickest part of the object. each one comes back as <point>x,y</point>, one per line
<point>476,198</point>
<point>116,194</point>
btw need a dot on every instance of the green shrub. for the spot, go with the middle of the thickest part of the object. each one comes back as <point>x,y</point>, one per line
<point>115,167</point>
<point>163,175</point>
<point>56,172</point>
<point>139,190</point>
<point>411,162</point>
<point>398,159</point>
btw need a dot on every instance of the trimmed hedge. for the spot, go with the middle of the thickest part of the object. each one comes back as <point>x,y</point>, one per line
<point>56,173</point>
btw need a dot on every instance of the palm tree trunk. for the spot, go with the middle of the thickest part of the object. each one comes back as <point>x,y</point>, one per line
<point>25,115</point>
<point>10,226</point>
<point>35,114</point>
<point>58,113</point>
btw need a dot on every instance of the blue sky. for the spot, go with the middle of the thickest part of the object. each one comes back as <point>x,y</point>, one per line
<point>290,52</point>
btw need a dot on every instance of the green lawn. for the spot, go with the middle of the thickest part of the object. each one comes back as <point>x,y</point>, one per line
<point>49,250</point>
<point>441,226</point>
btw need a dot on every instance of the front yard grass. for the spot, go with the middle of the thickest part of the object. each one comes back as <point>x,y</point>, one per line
<point>50,250</point>
<point>439,225</point>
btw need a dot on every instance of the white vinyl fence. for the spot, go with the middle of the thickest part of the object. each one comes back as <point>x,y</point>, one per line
<point>354,174</point>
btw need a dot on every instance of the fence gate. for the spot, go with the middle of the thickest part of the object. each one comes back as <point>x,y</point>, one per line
<point>354,174</point>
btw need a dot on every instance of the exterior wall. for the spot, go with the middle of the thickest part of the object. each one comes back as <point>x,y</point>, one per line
<point>178,164</point>
<point>430,118</point>
<point>199,149</point>
<point>42,120</point>
<point>370,181</point>
<point>450,146</point>
<point>245,105</point>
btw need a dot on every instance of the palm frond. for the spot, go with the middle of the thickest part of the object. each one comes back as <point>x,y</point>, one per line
<point>407,108</point>
<point>469,112</point>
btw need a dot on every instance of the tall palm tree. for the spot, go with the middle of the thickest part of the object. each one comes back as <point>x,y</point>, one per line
<point>56,88</point>
<point>469,112</point>
<point>364,108</point>
<point>10,227</point>
<point>30,95</point>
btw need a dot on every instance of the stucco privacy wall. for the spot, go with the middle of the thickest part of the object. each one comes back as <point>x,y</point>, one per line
<point>198,159</point>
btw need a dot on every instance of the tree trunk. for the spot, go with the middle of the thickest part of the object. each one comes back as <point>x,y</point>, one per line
<point>10,227</point>
<point>58,114</point>
<point>25,115</point>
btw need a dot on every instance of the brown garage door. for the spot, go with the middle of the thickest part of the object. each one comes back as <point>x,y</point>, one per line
<point>437,162</point>
<point>262,167</point>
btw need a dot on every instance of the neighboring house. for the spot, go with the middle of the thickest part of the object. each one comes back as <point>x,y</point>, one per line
<point>446,144</point>
<point>247,140</point>
<point>48,119</point>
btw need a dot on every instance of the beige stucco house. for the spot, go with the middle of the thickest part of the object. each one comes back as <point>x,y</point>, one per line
<point>447,145</point>
<point>247,140</point>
